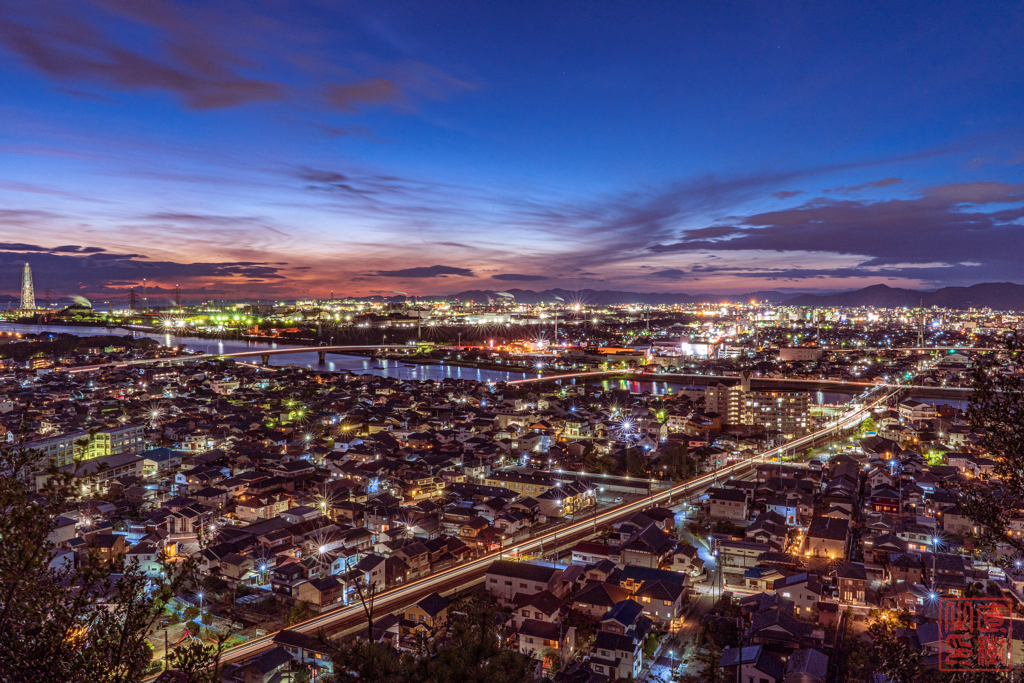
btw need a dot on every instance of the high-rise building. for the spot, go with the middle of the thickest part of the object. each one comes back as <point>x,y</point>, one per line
<point>782,411</point>
<point>28,294</point>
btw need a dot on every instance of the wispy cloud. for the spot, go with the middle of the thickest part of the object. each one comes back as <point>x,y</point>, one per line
<point>519,277</point>
<point>207,56</point>
<point>424,272</point>
<point>874,184</point>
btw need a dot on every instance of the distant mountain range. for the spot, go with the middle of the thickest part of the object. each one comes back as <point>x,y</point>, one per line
<point>1004,296</point>
<point>1001,296</point>
<point>594,297</point>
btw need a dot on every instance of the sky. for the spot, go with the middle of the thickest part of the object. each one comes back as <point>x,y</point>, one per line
<point>275,149</point>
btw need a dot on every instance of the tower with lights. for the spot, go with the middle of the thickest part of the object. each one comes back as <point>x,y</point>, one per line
<point>28,294</point>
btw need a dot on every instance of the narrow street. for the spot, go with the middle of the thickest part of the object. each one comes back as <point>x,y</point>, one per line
<point>677,649</point>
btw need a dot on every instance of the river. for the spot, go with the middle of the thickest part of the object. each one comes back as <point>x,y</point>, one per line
<point>386,368</point>
<point>335,362</point>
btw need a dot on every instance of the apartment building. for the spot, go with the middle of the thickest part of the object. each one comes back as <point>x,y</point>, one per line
<point>784,411</point>
<point>64,448</point>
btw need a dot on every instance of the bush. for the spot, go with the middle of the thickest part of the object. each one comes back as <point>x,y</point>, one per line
<point>724,526</point>
<point>299,612</point>
<point>190,613</point>
<point>651,644</point>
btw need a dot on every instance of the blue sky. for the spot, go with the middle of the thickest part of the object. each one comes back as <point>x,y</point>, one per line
<point>290,149</point>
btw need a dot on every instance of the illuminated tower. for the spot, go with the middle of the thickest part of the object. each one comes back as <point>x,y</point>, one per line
<point>28,294</point>
<point>177,296</point>
<point>920,326</point>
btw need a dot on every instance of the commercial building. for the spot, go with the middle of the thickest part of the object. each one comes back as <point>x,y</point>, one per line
<point>800,353</point>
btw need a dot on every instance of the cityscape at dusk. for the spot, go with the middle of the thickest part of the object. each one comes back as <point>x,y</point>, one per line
<point>278,150</point>
<point>511,342</point>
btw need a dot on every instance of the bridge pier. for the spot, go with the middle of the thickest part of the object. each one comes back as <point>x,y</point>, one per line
<point>322,355</point>
<point>265,360</point>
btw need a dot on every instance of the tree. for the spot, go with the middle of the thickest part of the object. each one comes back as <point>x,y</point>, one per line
<point>724,526</point>
<point>678,464</point>
<point>472,653</point>
<point>721,633</point>
<point>599,464</point>
<point>997,412</point>
<point>868,425</point>
<point>709,657</point>
<point>62,623</point>
<point>901,664</point>
<point>366,592</point>
<point>635,463</point>
<point>586,626</point>
<point>300,612</point>
<point>197,662</point>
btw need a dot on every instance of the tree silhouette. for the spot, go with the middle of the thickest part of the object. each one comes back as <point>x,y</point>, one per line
<point>64,623</point>
<point>997,412</point>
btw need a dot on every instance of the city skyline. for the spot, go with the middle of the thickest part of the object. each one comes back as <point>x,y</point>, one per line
<point>241,151</point>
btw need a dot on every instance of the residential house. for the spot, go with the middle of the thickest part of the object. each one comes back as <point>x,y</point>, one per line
<point>807,665</point>
<point>426,619</point>
<point>552,643</point>
<point>505,579</point>
<point>728,504</point>
<point>322,593</point>
<point>827,537</point>
<point>305,649</point>
<point>597,598</point>
<point>617,656</point>
<point>852,583</point>
<point>751,664</point>
<point>268,667</point>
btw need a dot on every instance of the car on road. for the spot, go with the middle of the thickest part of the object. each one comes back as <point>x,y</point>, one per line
<point>619,499</point>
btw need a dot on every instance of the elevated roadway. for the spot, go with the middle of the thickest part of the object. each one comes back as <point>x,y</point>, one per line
<point>798,383</point>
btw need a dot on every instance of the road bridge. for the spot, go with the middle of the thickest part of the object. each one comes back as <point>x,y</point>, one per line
<point>263,354</point>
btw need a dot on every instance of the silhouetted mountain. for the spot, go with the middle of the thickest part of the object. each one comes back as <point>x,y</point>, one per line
<point>595,297</point>
<point>1001,296</point>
